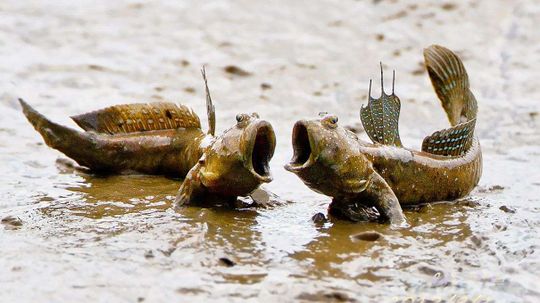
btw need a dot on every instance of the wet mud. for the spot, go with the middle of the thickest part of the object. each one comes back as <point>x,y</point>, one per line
<point>67,235</point>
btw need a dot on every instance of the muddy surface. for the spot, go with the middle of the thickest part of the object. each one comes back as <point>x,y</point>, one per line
<point>70,236</point>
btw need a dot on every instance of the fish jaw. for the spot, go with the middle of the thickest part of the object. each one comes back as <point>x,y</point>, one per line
<point>304,148</point>
<point>237,161</point>
<point>259,147</point>
<point>327,159</point>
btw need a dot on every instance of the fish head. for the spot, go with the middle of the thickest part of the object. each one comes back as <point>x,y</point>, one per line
<point>327,158</point>
<point>237,161</point>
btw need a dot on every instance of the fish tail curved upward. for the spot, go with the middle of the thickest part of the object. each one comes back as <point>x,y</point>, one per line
<point>79,146</point>
<point>451,83</point>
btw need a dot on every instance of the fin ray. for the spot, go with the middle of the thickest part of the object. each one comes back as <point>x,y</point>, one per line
<point>210,109</point>
<point>454,141</point>
<point>451,83</point>
<point>380,117</point>
<point>138,117</point>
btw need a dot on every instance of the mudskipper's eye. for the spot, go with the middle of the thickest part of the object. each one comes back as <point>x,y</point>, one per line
<point>255,115</point>
<point>330,121</point>
<point>241,118</point>
<point>323,114</point>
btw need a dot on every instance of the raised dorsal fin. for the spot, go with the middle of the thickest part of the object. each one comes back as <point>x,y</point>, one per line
<point>210,109</point>
<point>138,117</point>
<point>380,117</point>
<point>451,83</point>
<point>453,141</point>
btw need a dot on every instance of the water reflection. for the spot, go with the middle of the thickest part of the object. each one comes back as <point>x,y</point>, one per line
<point>213,233</point>
<point>436,230</point>
<point>120,195</point>
<point>437,251</point>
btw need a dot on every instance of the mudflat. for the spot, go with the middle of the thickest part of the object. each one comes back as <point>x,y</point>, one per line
<point>66,235</point>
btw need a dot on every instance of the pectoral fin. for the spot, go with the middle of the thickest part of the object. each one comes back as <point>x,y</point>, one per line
<point>357,186</point>
<point>190,189</point>
<point>378,195</point>
<point>194,192</point>
<point>384,199</point>
<point>356,212</point>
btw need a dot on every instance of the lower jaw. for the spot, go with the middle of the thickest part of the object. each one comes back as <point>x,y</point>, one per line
<point>294,168</point>
<point>261,178</point>
<point>264,179</point>
<point>297,167</point>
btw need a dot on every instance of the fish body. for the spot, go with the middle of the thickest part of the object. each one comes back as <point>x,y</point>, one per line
<point>334,161</point>
<point>419,177</point>
<point>166,139</point>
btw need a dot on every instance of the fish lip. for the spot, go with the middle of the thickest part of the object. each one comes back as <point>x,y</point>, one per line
<point>260,151</point>
<point>303,148</point>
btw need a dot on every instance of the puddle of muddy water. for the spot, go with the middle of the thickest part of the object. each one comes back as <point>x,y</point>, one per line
<point>74,236</point>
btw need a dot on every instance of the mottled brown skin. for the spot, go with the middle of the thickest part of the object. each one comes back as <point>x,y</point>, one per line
<point>332,160</point>
<point>420,177</point>
<point>234,164</point>
<point>328,159</point>
<point>216,169</point>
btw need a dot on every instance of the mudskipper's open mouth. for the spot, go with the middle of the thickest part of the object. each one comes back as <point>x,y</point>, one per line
<point>263,150</point>
<point>302,148</point>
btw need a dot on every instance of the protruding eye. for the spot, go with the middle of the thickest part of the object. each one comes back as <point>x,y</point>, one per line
<point>255,115</point>
<point>241,118</point>
<point>323,114</point>
<point>330,121</point>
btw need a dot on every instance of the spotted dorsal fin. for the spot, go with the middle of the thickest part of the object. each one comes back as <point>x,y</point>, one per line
<point>138,117</point>
<point>451,83</point>
<point>454,141</point>
<point>380,117</point>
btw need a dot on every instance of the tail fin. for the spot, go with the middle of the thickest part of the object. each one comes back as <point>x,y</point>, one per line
<point>451,84</point>
<point>79,146</point>
<point>53,134</point>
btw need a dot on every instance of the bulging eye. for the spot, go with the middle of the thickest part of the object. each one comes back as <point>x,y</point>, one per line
<point>330,120</point>
<point>323,114</point>
<point>241,118</point>
<point>255,115</point>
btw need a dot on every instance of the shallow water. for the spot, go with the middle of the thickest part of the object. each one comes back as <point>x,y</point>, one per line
<point>116,238</point>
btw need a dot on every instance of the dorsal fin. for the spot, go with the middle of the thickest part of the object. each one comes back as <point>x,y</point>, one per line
<point>451,83</point>
<point>138,117</point>
<point>380,117</point>
<point>210,109</point>
<point>453,141</point>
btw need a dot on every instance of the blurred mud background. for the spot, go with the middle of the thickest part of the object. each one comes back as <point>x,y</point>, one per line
<point>67,236</point>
